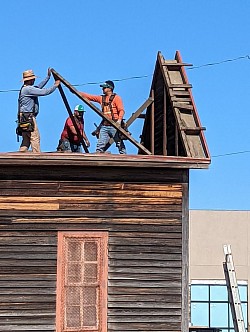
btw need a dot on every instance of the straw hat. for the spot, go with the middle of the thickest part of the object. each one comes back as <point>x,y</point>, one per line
<point>28,75</point>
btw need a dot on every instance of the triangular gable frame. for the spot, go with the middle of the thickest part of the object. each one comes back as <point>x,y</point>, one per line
<point>172,126</point>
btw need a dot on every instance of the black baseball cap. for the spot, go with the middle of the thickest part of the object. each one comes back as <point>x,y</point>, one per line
<point>108,84</point>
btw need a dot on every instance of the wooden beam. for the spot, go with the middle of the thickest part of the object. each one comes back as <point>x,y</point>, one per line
<point>193,131</point>
<point>176,140</point>
<point>176,64</point>
<point>164,134</point>
<point>152,131</point>
<point>133,117</point>
<point>185,256</point>
<point>179,85</point>
<point>100,113</point>
<point>183,106</point>
<point>79,135</point>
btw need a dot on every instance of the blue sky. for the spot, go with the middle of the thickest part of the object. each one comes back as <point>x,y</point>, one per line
<point>92,41</point>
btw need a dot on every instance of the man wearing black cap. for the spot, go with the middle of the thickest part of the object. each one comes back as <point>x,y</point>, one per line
<point>112,107</point>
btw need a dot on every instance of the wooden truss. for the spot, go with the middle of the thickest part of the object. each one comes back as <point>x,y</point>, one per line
<point>129,137</point>
<point>172,126</point>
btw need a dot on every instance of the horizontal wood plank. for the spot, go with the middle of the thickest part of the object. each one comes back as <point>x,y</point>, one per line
<point>107,215</point>
<point>170,303</point>
<point>144,284</point>
<point>147,256</point>
<point>126,199</point>
<point>157,275</point>
<point>145,312</point>
<point>29,206</point>
<point>39,327</point>
<point>143,217</point>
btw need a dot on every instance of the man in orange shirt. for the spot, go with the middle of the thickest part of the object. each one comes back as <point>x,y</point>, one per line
<point>112,107</point>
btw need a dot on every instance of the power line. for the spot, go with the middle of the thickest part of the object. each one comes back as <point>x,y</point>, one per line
<point>231,154</point>
<point>145,76</point>
<point>91,83</point>
<point>114,80</point>
<point>11,90</point>
<point>219,63</point>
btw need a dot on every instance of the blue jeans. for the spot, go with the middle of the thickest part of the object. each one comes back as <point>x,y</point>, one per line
<point>107,132</point>
<point>67,146</point>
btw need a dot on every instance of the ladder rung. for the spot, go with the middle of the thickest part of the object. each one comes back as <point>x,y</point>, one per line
<point>183,106</point>
<point>179,93</point>
<point>193,131</point>
<point>175,64</point>
<point>179,99</point>
<point>186,86</point>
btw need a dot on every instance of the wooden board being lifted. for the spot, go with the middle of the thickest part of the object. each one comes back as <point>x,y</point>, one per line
<point>100,113</point>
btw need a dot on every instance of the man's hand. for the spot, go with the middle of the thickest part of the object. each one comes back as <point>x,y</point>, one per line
<point>57,82</point>
<point>87,143</point>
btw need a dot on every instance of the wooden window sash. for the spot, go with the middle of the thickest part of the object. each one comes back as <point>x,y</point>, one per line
<point>64,284</point>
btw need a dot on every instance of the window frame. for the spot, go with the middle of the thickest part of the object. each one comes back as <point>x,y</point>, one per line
<point>102,240</point>
<point>209,301</point>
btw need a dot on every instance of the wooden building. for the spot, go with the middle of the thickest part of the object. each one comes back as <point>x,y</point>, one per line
<point>99,242</point>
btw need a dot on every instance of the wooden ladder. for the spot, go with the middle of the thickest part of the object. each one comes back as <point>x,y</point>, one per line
<point>182,103</point>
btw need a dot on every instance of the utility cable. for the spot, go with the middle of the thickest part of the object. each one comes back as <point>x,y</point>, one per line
<point>145,76</point>
<point>114,80</point>
<point>12,90</point>
<point>231,154</point>
<point>92,83</point>
<point>221,62</point>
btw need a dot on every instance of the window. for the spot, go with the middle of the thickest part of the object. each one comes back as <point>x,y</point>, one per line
<point>210,305</point>
<point>82,282</point>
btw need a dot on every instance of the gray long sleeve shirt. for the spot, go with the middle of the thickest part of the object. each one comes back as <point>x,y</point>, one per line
<point>28,100</point>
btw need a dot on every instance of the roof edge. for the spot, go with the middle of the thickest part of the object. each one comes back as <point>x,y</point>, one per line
<point>102,160</point>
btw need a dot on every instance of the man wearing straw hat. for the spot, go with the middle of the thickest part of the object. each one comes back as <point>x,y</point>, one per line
<point>28,107</point>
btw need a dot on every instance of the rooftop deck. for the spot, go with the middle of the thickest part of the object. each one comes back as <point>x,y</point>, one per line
<point>103,159</point>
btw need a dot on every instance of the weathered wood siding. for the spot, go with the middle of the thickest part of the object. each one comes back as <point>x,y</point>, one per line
<point>141,209</point>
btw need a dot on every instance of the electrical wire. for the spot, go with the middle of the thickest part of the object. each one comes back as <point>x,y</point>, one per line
<point>231,154</point>
<point>221,62</point>
<point>115,80</point>
<point>145,76</point>
<point>92,83</point>
<point>11,90</point>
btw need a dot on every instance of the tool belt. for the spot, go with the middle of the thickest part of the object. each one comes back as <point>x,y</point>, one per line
<point>125,127</point>
<point>25,123</point>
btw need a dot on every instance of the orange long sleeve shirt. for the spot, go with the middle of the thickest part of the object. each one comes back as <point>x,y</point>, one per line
<point>116,104</point>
